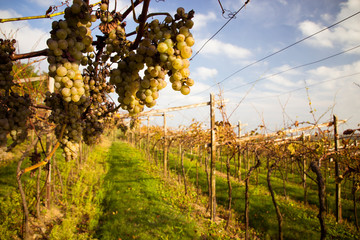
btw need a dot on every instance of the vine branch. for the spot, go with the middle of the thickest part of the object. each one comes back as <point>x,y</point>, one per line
<point>142,20</point>
<point>3,20</point>
<point>39,53</point>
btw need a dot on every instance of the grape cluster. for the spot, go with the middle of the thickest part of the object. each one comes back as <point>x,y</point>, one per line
<point>96,85</point>
<point>93,129</point>
<point>96,119</point>
<point>70,115</point>
<point>14,112</point>
<point>14,108</point>
<point>127,81</point>
<point>6,49</point>
<point>174,46</point>
<point>165,49</point>
<point>70,39</point>
<point>71,149</point>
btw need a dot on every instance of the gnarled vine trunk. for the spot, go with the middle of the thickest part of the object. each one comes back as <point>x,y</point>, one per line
<point>321,193</point>
<point>247,201</point>
<point>25,227</point>
<point>229,189</point>
<point>277,209</point>
<point>183,170</point>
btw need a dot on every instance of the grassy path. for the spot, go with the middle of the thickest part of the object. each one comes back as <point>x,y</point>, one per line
<point>137,205</point>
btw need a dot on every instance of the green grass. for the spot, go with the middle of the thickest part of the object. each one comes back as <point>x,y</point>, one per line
<point>82,195</point>
<point>137,204</point>
<point>77,206</point>
<point>10,200</point>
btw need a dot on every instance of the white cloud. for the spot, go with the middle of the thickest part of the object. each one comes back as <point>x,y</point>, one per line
<point>326,17</point>
<point>201,20</point>
<point>324,39</point>
<point>336,85</point>
<point>28,38</point>
<point>279,83</point>
<point>342,75</point>
<point>169,97</point>
<point>333,72</point>
<point>217,47</point>
<point>348,8</point>
<point>346,34</point>
<point>283,2</point>
<point>204,73</point>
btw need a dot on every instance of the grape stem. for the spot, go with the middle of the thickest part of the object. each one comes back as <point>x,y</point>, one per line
<point>42,107</point>
<point>157,14</point>
<point>142,20</point>
<point>130,33</point>
<point>128,11</point>
<point>134,14</point>
<point>2,20</point>
<point>43,52</point>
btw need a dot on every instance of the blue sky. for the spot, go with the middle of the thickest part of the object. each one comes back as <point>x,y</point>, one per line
<point>260,29</point>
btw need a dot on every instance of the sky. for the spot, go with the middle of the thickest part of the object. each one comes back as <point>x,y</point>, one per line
<point>309,81</point>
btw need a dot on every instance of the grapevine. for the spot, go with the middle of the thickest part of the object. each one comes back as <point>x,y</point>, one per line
<point>14,108</point>
<point>87,70</point>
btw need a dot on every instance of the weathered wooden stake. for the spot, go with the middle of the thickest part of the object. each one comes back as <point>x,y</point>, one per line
<point>239,152</point>
<point>48,180</point>
<point>165,146</point>
<point>213,159</point>
<point>338,207</point>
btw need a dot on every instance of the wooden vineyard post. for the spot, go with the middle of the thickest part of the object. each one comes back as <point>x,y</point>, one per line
<point>165,146</point>
<point>239,153</point>
<point>48,180</point>
<point>338,208</point>
<point>213,158</point>
<point>304,172</point>
<point>148,138</point>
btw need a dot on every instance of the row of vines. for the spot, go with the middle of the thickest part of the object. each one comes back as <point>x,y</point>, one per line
<point>315,169</point>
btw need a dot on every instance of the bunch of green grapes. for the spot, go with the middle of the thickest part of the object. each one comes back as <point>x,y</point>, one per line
<point>96,119</point>
<point>14,108</point>
<point>174,42</point>
<point>96,85</point>
<point>151,84</point>
<point>71,149</point>
<point>70,39</point>
<point>69,114</point>
<point>134,123</point>
<point>123,127</point>
<point>127,81</point>
<point>93,129</point>
<point>165,49</point>
<point>6,49</point>
<point>14,113</point>
<point>70,46</point>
